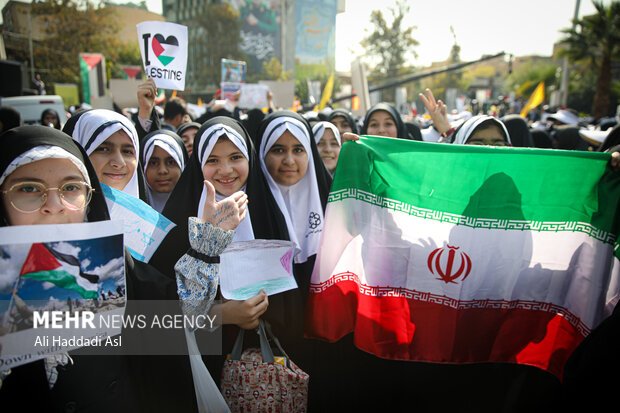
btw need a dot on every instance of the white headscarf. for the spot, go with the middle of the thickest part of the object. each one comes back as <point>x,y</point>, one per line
<point>95,126</point>
<point>318,130</point>
<point>44,152</point>
<point>300,203</point>
<point>208,139</point>
<point>158,199</point>
<point>468,127</point>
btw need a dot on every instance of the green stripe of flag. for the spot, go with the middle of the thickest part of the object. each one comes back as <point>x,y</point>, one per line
<point>61,279</point>
<point>518,184</point>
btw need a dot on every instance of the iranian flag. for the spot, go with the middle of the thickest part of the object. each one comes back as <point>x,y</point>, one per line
<point>43,263</point>
<point>450,253</point>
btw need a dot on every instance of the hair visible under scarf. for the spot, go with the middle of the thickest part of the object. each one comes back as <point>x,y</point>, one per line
<point>173,145</point>
<point>94,127</point>
<point>401,128</point>
<point>319,130</point>
<point>24,139</point>
<point>300,203</point>
<point>464,132</point>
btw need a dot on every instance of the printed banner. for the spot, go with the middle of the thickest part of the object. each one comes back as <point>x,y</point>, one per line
<point>233,71</point>
<point>144,227</point>
<point>58,271</point>
<point>457,253</point>
<point>260,31</point>
<point>164,53</point>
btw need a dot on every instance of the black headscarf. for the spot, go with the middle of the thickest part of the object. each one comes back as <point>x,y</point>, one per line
<point>69,129</point>
<point>9,118</point>
<point>267,221</point>
<point>568,137</point>
<point>403,133</point>
<point>612,140</point>
<point>188,125</point>
<point>541,139</point>
<point>518,130</point>
<point>252,123</point>
<point>347,116</point>
<point>21,139</point>
<point>52,111</point>
<point>414,130</point>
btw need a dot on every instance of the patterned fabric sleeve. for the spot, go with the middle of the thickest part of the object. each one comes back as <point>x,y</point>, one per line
<point>197,281</point>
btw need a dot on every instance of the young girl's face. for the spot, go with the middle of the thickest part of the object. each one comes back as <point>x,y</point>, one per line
<point>226,168</point>
<point>490,136</point>
<point>287,160</point>
<point>115,160</point>
<point>341,123</point>
<point>162,171</point>
<point>329,149</point>
<point>381,123</point>
<point>28,183</point>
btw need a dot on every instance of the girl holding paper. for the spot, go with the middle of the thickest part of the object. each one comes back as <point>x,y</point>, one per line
<point>223,157</point>
<point>47,178</point>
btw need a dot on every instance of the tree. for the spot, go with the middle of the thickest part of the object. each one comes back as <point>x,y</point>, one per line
<point>218,38</point>
<point>453,79</point>
<point>272,70</point>
<point>524,79</point>
<point>389,45</point>
<point>596,40</point>
<point>74,27</point>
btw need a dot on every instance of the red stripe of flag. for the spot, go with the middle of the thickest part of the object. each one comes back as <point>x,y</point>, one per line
<point>39,259</point>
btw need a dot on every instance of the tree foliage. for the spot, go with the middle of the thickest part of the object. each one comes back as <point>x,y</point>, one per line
<point>595,41</point>
<point>219,38</point>
<point>272,70</point>
<point>74,27</point>
<point>526,77</point>
<point>390,44</point>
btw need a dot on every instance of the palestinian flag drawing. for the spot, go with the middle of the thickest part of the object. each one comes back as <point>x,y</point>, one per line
<point>43,263</point>
<point>165,48</point>
<point>460,254</point>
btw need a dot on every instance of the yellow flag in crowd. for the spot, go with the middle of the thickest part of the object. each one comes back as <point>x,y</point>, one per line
<point>327,92</point>
<point>536,99</point>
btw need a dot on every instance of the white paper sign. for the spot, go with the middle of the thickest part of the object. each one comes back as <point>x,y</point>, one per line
<point>246,267</point>
<point>164,53</point>
<point>144,227</point>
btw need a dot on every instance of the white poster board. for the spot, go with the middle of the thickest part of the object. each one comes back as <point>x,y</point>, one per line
<point>164,53</point>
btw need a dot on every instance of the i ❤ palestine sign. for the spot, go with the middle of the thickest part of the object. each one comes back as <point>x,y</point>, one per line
<point>164,53</point>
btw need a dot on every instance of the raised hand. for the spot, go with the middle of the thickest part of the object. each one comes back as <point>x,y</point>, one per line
<point>438,111</point>
<point>227,213</point>
<point>147,91</point>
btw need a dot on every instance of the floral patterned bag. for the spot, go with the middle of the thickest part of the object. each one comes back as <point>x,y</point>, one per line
<point>256,381</point>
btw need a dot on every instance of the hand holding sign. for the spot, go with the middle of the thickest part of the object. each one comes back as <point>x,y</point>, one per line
<point>227,213</point>
<point>164,53</point>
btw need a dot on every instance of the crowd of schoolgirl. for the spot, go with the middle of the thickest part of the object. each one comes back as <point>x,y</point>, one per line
<point>229,176</point>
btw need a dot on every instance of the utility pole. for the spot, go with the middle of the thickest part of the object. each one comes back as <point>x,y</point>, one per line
<point>30,46</point>
<point>564,84</point>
